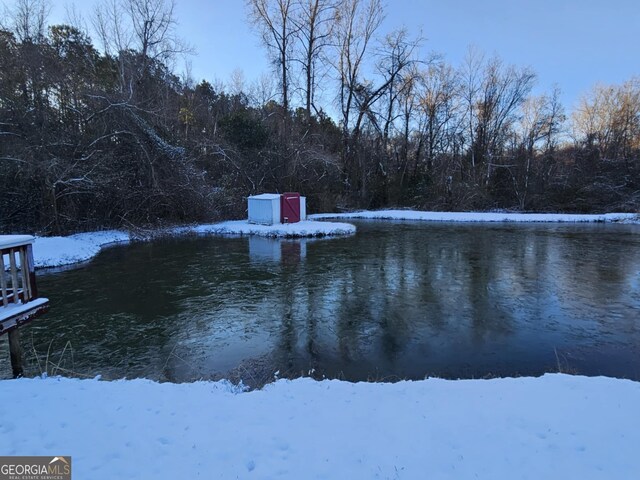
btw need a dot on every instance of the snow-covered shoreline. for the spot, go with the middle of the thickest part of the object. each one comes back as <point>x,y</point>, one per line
<point>482,216</point>
<point>555,426</point>
<point>81,247</point>
<point>52,252</point>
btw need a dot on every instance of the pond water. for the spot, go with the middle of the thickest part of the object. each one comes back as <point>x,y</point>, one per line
<point>397,300</point>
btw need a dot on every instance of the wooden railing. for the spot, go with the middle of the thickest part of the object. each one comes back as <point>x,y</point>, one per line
<point>17,275</point>
<point>20,302</point>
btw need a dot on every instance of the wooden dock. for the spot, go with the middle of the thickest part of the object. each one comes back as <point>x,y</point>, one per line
<point>20,300</point>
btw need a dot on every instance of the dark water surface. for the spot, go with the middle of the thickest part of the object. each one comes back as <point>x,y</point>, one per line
<point>397,300</point>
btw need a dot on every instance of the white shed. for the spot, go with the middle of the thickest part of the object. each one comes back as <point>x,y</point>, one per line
<point>264,209</point>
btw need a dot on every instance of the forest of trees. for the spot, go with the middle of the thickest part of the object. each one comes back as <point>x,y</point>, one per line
<point>106,132</point>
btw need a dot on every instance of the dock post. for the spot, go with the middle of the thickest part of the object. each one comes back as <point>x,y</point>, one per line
<point>15,350</point>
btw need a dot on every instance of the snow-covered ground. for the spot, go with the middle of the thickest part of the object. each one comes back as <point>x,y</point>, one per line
<point>482,216</point>
<point>60,251</point>
<point>305,228</point>
<point>553,427</point>
<point>556,426</point>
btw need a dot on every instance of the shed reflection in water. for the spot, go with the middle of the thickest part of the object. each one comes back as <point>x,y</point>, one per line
<point>275,250</point>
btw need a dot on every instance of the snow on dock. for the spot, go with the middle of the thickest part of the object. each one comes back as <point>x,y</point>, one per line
<point>555,426</point>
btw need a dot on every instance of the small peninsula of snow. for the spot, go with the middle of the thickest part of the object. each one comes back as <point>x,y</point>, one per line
<point>306,228</point>
<point>482,216</point>
<point>553,427</point>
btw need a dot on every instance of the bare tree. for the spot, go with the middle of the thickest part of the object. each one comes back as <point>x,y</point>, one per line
<point>407,99</point>
<point>470,73</point>
<point>262,90</point>
<point>396,55</point>
<point>540,123</point>
<point>154,27</point>
<point>109,23</point>
<point>501,92</point>
<point>28,20</point>
<point>314,23</point>
<point>608,118</point>
<point>237,82</point>
<point>438,110</point>
<point>146,26</point>
<point>115,35</point>
<point>355,24</point>
<point>274,19</point>
<point>74,17</point>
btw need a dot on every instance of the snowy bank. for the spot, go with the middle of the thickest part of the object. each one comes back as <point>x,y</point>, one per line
<point>305,228</point>
<point>60,251</point>
<point>482,216</point>
<point>556,426</point>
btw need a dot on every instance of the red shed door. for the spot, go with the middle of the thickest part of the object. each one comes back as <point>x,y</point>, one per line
<point>290,207</point>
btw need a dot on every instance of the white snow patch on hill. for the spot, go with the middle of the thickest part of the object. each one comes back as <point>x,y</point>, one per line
<point>556,426</point>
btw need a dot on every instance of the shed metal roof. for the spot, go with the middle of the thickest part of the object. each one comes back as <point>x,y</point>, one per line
<point>266,196</point>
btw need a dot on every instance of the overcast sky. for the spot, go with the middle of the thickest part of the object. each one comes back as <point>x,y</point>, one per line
<point>574,43</point>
